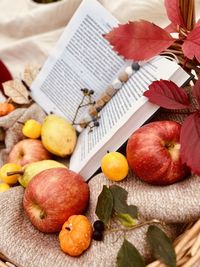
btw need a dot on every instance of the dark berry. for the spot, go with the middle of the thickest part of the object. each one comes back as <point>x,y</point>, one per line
<point>85,90</point>
<point>96,123</point>
<point>94,119</point>
<point>99,225</point>
<point>98,109</point>
<point>135,66</point>
<point>98,236</point>
<point>91,92</point>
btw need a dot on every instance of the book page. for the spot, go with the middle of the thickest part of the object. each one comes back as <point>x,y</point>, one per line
<point>81,59</point>
<point>127,110</point>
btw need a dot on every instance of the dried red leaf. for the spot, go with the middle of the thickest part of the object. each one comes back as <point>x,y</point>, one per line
<point>196,91</point>
<point>174,12</point>
<point>167,95</point>
<point>190,142</point>
<point>139,40</point>
<point>171,28</point>
<point>191,45</point>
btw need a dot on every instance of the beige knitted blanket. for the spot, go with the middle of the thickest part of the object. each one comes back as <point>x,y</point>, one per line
<point>27,247</point>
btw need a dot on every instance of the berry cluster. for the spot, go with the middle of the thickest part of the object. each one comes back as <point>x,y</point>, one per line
<point>91,119</point>
<point>87,92</point>
<point>99,228</point>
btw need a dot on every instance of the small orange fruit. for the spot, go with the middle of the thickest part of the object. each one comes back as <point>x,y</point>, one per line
<point>76,235</point>
<point>115,166</point>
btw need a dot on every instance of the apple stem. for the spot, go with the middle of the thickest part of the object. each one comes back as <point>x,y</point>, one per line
<point>15,172</point>
<point>42,215</point>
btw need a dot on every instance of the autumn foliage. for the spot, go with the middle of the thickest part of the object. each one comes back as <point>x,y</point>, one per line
<point>131,38</point>
<point>141,40</point>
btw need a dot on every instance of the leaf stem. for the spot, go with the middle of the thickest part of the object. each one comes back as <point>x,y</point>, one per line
<point>141,224</point>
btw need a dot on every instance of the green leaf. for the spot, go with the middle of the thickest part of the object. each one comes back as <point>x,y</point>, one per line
<point>120,204</point>
<point>132,211</point>
<point>126,220</point>
<point>104,206</point>
<point>161,246</point>
<point>128,256</point>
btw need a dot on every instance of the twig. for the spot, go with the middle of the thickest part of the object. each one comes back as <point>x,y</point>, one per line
<point>76,113</point>
<point>135,226</point>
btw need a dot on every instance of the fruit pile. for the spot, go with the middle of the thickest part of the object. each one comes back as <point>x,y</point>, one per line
<point>153,154</point>
<point>55,197</point>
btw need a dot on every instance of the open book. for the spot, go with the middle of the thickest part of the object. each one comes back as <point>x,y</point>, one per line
<point>84,59</point>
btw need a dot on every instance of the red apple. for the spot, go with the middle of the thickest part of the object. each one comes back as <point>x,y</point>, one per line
<point>153,153</point>
<point>27,151</point>
<point>53,196</point>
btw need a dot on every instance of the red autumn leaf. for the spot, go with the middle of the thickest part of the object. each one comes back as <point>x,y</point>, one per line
<point>174,12</point>
<point>139,40</point>
<point>171,28</point>
<point>190,142</point>
<point>196,91</point>
<point>191,45</point>
<point>167,95</point>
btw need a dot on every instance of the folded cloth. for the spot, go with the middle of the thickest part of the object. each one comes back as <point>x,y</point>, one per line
<point>25,246</point>
<point>29,31</point>
<point>22,243</point>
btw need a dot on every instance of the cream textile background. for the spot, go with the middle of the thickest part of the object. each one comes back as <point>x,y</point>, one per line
<point>28,31</point>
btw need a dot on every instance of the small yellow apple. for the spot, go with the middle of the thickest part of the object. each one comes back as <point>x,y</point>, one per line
<point>4,187</point>
<point>32,129</point>
<point>10,167</point>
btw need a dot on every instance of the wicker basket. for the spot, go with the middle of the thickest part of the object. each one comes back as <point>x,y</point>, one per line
<point>187,245</point>
<point>188,12</point>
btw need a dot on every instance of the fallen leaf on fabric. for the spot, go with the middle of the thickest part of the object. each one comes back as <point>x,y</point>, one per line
<point>139,40</point>
<point>167,95</point>
<point>15,90</point>
<point>30,73</point>
<point>129,256</point>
